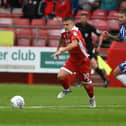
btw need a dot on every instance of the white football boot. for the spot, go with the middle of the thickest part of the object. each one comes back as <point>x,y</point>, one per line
<point>92,102</point>
<point>63,93</point>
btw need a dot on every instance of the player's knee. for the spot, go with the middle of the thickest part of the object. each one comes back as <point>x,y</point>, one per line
<point>94,63</point>
<point>116,72</point>
<point>60,77</point>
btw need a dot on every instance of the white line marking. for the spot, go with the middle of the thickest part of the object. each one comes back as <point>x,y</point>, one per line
<point>76,107</point>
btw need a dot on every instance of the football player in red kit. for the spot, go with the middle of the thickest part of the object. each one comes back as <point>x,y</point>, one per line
<point>78,62</point>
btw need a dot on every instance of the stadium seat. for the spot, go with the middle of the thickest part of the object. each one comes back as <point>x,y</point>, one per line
<point>113,15</point>
<point>53,37</point>
<point>39,37</point>
<point>21,22</point>
<point>122,5</point>
<point>17,13</point>
<point>38,22</point>
<point>6,21</point>
<point>8,29</point>
<point>23,42</point>
<point>53,42</point>
<point>54,29</point>
<point>23,37</point>
<point>113,25</point>
<point>90,22</point>
<point>53,33</point>
<point>54,23</point>
<point>101,25</point>
<point>5,13</point>
<point>2,15</point>
<point>99,14</point>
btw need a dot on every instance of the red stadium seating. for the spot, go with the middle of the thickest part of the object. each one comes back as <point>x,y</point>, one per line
<point>123,5</point>
<point>101,25</point>
<point>23,37</point>
<point>113,25</point>
<point>54,23</point>
<point>39,37</point>
<point>53,37</point>
<point>90,22</point>
<point>21,22</point>
<point>39,42</point>
<point>113,15</point>
<point>8,29</point>
<point>54,28</point>
<point>53,42</point>
<point>99,14</point>
<point>6,21</point>
<point>5,13</point>
<point>53,33</point>
<point>17,13</point>
<point>38,22</point>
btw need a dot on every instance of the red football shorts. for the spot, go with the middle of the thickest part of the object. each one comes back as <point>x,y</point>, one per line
<point>81,68</point>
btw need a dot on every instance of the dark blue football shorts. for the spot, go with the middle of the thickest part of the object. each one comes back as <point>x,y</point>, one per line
<point>122,67</point>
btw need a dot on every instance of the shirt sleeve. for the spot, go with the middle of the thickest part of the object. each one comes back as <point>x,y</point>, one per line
<point>75,35</point>
<point>62,32</point>
<point>121,34</point>
<point>95,31</point>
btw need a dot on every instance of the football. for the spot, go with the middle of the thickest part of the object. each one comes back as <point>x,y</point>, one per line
<point>17,102</point>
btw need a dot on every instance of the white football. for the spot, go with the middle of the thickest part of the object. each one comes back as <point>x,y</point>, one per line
<point>17,102</point>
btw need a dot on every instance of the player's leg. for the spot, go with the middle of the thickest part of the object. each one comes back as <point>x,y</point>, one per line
<point>120,72</point>
<point>87,84</point>
<point>94,64</point>
<point>117,71</point>
<point>76,81</point>
<point>90,91</point>
<point>85,78</point>
<point>64,77</point>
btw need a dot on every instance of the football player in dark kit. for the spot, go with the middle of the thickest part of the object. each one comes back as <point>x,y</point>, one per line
<point>87,30</point>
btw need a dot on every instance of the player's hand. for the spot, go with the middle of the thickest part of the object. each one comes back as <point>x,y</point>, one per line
<point>58,52</point>
<point>97,50</point>
<point>106,34</point>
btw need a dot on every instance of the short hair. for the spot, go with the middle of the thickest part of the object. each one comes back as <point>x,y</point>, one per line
<point>123,11</point>
<point>84,14</point>
<point>69,18</point>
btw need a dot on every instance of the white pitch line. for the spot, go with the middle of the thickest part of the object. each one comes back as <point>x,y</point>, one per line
<point>68,107</point>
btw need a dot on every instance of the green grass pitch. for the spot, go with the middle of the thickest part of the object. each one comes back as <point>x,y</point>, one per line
<point>43,109</point>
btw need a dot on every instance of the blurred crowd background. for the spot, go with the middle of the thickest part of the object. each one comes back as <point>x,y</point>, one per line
<point>38,22</point>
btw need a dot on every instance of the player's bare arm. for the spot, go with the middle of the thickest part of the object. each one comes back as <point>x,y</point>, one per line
<point>61,43</point>
<point>115,37</point>
<point>101,38</point>
<point>70,46</point>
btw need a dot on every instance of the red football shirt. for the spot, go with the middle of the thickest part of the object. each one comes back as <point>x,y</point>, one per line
<point>80,52</point>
